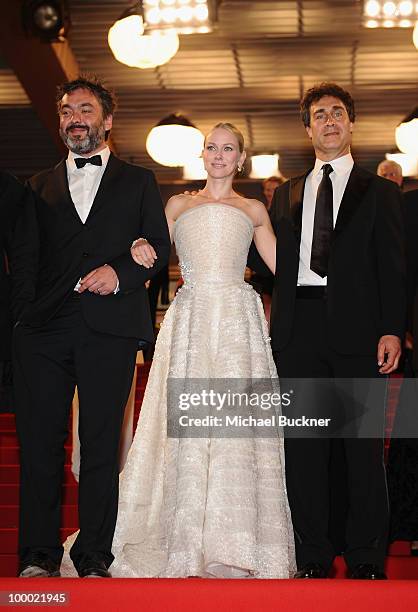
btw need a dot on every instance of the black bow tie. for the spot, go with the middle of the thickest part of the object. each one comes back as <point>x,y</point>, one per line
<point>80,162</point>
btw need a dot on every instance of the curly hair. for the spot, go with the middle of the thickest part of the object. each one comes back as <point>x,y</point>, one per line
<point>92,83</point>
<point>325,89</point>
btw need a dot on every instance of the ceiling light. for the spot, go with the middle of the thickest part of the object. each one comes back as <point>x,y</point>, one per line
<point>406,8</point>
<point>169,15</point>
<point>154,16</point>
<point>174,141</point>
<point>415,35</point>
<point>185,16</point>
<point>263,166</point>
<point>389,9</point>
<point>406,134</point>
<point>408,163</point>
<point>201,12</point>
<point>131,47</point>
<point>47,19</point>
<point>372,8</point>
<point>390,14</point>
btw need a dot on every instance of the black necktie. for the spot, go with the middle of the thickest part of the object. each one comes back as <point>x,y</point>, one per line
<point>323,224</point>
<point>80,162</point>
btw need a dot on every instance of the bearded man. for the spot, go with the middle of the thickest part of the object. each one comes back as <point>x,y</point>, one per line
<point>80,311</point>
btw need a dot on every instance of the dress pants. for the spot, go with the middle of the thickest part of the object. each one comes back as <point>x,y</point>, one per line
<point>49,361</point>
<point>309,354</point>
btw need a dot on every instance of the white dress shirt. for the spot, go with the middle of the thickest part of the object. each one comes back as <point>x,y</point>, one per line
<point>84,182</point>
<point>342,167</point>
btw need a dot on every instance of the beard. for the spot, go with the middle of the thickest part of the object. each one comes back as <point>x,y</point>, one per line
<point>83,145</point>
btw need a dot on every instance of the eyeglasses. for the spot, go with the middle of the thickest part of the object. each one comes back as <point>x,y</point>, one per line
<point>337,114</point>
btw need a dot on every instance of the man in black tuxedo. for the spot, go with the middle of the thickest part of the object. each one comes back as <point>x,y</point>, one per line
<point>338,312</point>
<point>411,228</point>
<point>402,465</point>
<point>84,310</point>
<point>12,198</point>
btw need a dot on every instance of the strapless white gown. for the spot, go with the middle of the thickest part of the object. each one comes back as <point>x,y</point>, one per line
<point>205,506</point>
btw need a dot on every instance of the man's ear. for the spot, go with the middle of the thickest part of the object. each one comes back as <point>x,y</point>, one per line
<point>309,131</point>
<point>108,122</point>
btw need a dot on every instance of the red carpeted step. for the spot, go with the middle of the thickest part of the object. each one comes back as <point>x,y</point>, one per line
<point>9,516</point>
<point>10,455</point>
<point>7,422</point>
<point>9,494</point>
<point>8,438</point>
<point>177,595</point>
<point>400,549</point>
<point>9,474</point>
<point>9,565</point>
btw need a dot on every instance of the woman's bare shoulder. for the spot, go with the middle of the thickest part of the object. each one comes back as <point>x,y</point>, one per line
<point>257,210</point>
<point>177,204</point>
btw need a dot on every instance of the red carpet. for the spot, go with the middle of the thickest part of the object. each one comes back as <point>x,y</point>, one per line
<point>400,592</point>
<point>226,595</point>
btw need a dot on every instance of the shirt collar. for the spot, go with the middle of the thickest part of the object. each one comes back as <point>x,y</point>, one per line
<point>341,165</point>
<point>104,154</point>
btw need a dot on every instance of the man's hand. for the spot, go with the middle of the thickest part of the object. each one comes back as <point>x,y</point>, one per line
<point>102,281</point>
<point>391,347</point>
<point>143,253</point>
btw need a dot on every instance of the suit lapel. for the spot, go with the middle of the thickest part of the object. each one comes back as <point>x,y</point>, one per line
<point>297,189</point>
<point>109,180</point>
<point>60,192</point>
<point>355,190</point>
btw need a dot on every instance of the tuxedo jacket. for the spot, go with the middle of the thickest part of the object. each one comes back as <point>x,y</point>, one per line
<point>12,199</point>
<point>366,282</point>
<point>411,226</point>
<point>54,249</point>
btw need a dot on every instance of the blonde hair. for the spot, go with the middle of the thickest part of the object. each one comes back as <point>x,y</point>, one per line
<point>230,127</point>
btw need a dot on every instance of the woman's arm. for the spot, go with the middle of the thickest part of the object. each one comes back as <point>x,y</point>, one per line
<point>264,238</point>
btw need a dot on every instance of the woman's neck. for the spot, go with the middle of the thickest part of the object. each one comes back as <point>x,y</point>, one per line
<point>218,189</point>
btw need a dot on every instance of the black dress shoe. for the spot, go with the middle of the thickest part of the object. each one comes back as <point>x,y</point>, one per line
<point>312,570</point>
<point>39,565</point>
<point>367,571</point>
<point>91,567</point>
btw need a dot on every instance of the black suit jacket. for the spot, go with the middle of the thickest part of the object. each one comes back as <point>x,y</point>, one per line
<point>12,199</point>
<point>411,225</point>
<point>54,248</point>
<point>366,284</point>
